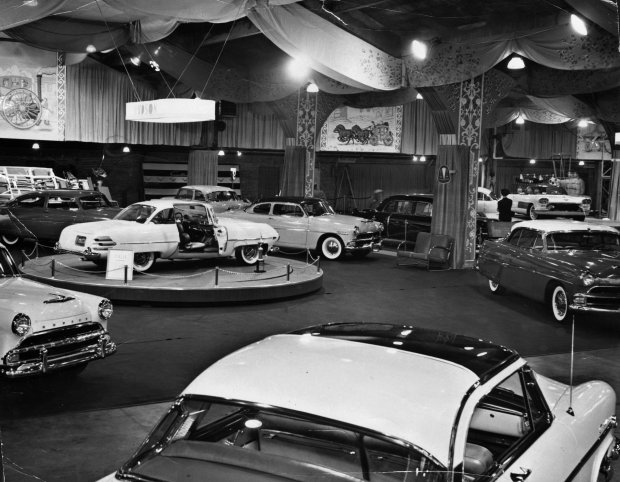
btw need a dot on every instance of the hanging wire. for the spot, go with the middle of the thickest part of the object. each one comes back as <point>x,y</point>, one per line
<point>135,91</point>
<point>219,55</point>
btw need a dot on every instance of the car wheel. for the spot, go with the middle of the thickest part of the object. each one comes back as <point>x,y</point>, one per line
<point>559,303</point>
<point>143,261</point>
<point>247,254</point>
<point>9,240</point>
<point>496,288</point>
<point>531,213</point>
<point>331,247</point>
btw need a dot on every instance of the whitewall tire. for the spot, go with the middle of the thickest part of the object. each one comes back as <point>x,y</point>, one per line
<point>559,304</point>
<point>331,247</point>
<point>247,254</point>
<point>143,261</point>
<point>9,240</point>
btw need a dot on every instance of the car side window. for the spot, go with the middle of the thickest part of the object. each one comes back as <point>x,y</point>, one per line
<point>199,196</point>
<point>32,201</point>
<point>165,216</point>
<point>423,208</point>
<point>184,194</point>
<point>262,208</point>
<point>512,415</point>
<point>391,206</point>
<point>527,238</point>
<point>62,202</point>
<point>287,210</point>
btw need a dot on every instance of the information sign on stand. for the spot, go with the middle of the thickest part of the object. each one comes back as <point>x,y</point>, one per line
<point>118,259</point>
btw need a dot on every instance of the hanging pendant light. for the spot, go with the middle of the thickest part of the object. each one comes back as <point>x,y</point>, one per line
<point>516,63</point>
<point>171,110</point>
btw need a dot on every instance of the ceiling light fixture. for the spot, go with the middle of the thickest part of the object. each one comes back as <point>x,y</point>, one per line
<point>414,158</point>
<point>422,158</point>
<point>532,161</point>
<point>126,149</point>
<point>516,63</point>
<point>135,60</point>
<point>221,152</point>
<point>584,123</point>
<point>520,119</point>
<point>418,96</point>
<point>312,88</point>
<point>35,146</point>
<point>582,163</point>
<point>171,110</point>
<point>419,49</point>
<point>298,68</point>
<point>578,24</point>
<point>91,49</point>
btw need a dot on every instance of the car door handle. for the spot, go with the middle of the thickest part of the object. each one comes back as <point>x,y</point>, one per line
<point>516,477</point>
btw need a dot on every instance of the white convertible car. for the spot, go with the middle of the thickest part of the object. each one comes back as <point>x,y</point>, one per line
<point>169,229</point>
<point>550,201</point>
<point>361,402</point>
<point>45,329</point>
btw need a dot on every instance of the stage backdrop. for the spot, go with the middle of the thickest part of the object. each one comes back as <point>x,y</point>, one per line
<point>377,129</point>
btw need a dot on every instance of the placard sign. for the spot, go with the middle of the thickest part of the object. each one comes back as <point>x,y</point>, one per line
<point>117,260</point>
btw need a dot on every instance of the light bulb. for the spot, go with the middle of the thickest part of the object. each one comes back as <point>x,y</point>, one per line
<point>578,24</point>
<point>516,63</point>
<point>419,49</point>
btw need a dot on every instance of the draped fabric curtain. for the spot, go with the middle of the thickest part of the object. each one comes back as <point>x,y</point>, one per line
<point>96,98</point>
<point>450,204</point>
<point>539,141</point>
<point>614,195</point>
<point>252,130</point>
<point>202,167</point>
<point>294,171</point>
<point>419,135</point>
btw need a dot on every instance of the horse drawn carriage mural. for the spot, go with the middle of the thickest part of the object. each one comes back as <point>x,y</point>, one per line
<point>373,134</point>
<point>19,105</point>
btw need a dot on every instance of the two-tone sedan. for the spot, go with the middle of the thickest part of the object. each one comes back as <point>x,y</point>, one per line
<point>357,402</point>
<point>570,265</point>
<point>220,197</point>
<point>311,223</point>
<point>45,329</point>
<point>169,229</point>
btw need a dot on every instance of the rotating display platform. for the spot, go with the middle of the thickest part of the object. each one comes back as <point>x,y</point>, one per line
<point>182,281</point>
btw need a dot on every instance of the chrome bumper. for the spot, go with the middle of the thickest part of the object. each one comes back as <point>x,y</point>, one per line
<point>57,355</point>
<point>366,245</point>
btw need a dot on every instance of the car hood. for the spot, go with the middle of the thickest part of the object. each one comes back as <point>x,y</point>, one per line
<point>42,303</point>
<point>107,213</point>
<point>604,264</point>
<point>553,198</point>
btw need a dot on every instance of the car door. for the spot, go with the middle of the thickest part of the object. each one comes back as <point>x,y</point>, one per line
<point>61,210</point>
<point>291,223</point>
<point>28,212</point>
<point>523,264</point>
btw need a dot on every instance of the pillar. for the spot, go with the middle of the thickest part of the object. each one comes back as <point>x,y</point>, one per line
<point>306,134</point>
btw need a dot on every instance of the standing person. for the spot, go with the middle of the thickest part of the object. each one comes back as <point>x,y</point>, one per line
<point>376,198</point>
<point>504,206</point>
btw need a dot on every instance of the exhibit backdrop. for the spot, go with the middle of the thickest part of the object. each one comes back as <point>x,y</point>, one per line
<point>376,129</point>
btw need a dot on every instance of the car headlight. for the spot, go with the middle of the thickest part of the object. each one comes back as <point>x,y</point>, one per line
<point>356,230</point>
<point>21,324</point>
<point>543,201</point>
<point>587,279</point>
<point>105,309</point>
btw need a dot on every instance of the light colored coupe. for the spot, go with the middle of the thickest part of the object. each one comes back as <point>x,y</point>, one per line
<point>372,402</point>
<point>311,223</point>
<point>45,329</point>
<point>221,198</point>
<point>169,229</point>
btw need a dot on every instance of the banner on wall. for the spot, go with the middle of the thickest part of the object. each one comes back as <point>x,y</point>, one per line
<point>593,144</point>
<point>377,129</point>
<point>29,94</point>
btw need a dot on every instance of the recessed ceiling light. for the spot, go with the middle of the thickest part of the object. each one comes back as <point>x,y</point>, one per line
<point>516,63</point>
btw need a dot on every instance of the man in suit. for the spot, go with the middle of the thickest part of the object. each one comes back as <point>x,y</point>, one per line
<point>504,206</point>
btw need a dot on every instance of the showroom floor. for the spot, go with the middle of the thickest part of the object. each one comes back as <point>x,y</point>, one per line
<point>57,429</point>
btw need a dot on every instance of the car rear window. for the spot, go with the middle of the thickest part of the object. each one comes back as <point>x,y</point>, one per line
<point>262,208</point>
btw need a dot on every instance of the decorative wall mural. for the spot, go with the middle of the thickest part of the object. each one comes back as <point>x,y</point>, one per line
<point>377,129</point>
<point>592,143</point>
<point>29,101</point>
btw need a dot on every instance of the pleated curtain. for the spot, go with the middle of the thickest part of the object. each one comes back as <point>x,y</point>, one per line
<point>202,167</point>
<point>294,171</point>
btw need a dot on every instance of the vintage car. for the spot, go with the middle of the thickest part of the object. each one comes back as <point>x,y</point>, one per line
<point>571,265</point>
<point>43,214</point>
<point>221,198</point>
<point>487,203</point>
<point>540,200</point>
<point>45,329</point>
<point>311,223</point>
<point>169,229</point>
<point>376,402</point>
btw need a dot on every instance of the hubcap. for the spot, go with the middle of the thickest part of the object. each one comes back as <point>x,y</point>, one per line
<point>561,303</point>
<point>333,247</point>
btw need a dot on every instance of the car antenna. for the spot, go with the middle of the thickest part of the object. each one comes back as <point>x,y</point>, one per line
<point>570,410</point>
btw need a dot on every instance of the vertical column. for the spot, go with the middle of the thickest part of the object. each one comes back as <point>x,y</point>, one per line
<point>469,134</point>
<point>306,134</point>
<point>61,82</point>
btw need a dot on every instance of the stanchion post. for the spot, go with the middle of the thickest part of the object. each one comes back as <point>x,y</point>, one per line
<point>126,272</point>
<point>288,272</point>
<point>23,258</point>
<point>260,263</point>
<point>217,275</point>
<point>318,264</point>
<point>53,267</point>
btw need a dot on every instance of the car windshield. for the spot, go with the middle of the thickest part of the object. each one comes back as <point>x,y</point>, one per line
<point>8,268</point>
<point>316,207</point>
<point>202,436</point>
<point>584,240</point>
<point>136,212</point>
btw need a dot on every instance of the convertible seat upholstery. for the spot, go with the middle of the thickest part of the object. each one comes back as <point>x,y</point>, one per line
<point>429,250</point>
<point>477,459</point>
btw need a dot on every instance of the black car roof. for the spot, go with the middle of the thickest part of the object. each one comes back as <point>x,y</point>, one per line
<point>61,192</point>
<point>287,199</point>
<point>482,357</point>
<point>410,196</point>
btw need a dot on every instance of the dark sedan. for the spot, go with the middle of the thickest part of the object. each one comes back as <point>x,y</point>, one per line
<point>43,214</point>
<point>569,265</point>
<point>403,215</point>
